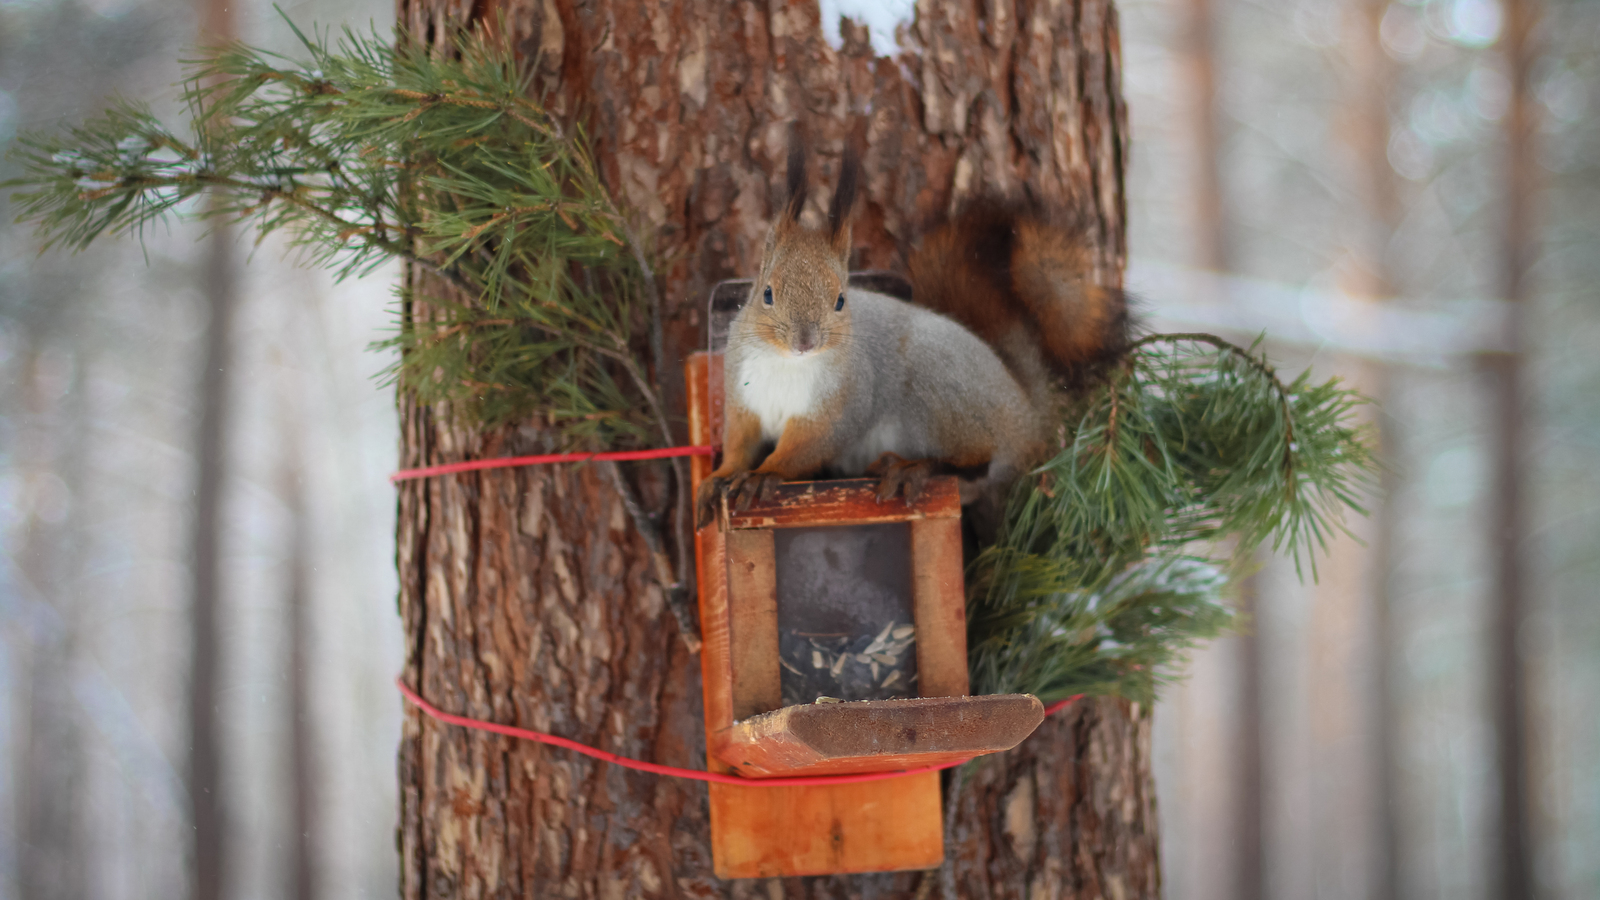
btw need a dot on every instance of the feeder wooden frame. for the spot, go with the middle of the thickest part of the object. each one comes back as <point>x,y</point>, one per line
<point>887,825</point>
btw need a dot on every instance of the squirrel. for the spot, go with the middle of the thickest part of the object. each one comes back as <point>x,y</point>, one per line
<point>844,382</point>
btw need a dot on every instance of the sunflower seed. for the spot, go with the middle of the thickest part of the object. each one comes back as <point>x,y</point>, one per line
<point>880,640</point>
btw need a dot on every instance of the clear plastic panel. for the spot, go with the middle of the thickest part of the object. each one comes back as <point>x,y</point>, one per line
<point>846,626</point>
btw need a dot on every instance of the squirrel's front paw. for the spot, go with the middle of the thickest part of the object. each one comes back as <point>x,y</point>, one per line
<point>705,501</point>
<point>898,475</point>
<point>750,485</point>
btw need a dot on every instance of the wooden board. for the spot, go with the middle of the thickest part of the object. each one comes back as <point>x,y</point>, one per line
<point>705,427</point>
<point>753,623</point>
<point>779,832</point>
<point>851,501</point>
<point>939,592</point>
<point>841,738</point>
<point>763,832</point>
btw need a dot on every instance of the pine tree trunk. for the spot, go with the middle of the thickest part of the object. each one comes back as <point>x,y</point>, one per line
<point>526,596</point>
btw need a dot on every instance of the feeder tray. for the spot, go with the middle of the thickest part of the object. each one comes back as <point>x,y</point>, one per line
<point>834,634</point>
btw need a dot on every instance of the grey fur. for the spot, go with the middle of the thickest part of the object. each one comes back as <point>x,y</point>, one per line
<point>912,382</point>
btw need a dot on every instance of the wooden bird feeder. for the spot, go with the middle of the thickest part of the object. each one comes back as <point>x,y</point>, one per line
<point>834,642</point>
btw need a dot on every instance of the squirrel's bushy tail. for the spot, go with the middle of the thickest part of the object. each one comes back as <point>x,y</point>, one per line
<point>1022,279</point>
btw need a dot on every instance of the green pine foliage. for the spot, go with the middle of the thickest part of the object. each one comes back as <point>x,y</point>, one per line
<point>368,151</point>
<point>541,305</point>
<point>1108,566</point>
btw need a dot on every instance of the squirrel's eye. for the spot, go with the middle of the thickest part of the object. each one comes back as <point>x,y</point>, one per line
<point>840,305</point>
<point>766,296</point>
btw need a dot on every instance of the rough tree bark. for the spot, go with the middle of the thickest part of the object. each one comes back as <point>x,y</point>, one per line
<point>525,595</point>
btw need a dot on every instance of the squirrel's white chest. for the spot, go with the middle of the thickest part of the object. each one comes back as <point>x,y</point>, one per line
<point>776,388</point>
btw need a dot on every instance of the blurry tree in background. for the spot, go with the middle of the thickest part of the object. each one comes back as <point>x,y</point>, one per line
<point>51,759</point>
<point>304,831</point>
<point>1560,636</point>
<point>1367,78</point>
<point>1210,244</point>
<point>219,288</point>
<point>1508,518</point>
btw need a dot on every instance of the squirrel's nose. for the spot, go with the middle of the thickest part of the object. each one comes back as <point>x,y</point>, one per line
<point>805,339</point>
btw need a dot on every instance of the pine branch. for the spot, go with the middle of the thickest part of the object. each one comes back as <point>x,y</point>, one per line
<point>1099,581</point>
<point>367,152</point>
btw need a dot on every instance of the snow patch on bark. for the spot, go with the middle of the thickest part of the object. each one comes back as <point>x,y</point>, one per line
<point>881,17</point>
<point>1019,819</point>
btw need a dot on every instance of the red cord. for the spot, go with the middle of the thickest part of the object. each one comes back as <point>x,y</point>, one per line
<point>1059,705</point>
<point>692,774</point>
<point>606,756</point>
<point>511,461</point>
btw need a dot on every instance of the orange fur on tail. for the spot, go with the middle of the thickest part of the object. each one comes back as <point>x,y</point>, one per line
<point>1023,281</point>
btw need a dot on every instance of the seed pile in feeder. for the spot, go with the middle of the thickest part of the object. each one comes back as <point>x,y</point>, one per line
<point>845,613</point>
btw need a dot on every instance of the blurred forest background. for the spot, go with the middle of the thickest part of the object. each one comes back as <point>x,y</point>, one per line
<point>1330,171</point>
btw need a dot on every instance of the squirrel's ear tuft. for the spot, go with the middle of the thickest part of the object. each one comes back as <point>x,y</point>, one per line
<point>844,198</point>
<point>797,177</point>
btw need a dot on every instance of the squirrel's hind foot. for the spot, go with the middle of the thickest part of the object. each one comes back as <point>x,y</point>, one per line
<point>901,476</point>
<point>741,489</point>
<point>747,486</point>
<point>706,500</point>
